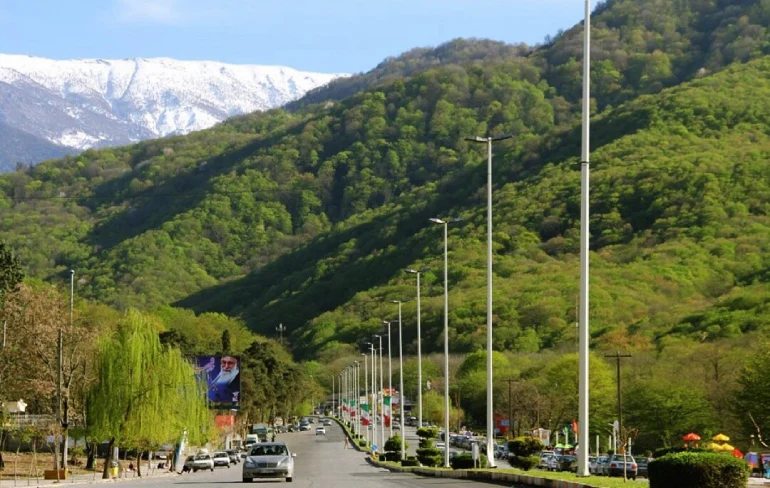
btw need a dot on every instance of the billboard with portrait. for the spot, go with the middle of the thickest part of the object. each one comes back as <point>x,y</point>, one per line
<point>222,375</point>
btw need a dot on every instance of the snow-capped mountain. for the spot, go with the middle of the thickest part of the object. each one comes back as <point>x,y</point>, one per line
<point>76,104</point>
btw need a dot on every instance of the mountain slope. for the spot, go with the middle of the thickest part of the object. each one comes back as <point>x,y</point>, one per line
<point>95,103</point>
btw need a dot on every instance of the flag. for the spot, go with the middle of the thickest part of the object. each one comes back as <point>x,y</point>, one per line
<point>386,409</point>
<point>574,426</point>
<point>365,414</point>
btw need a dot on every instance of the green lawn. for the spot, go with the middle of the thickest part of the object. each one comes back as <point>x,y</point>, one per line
<point>601,481</point>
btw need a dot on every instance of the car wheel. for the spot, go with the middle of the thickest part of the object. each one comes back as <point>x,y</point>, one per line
<point>195,470</point>
<point>247,480</point>
<point>289,479</point>
<point>212,469</point>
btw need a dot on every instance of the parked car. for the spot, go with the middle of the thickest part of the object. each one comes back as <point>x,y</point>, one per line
<point>616,462</point>
<point>221,459</point>
<point>566,463</point>
<point>269,460</point>
<point>601,466</point>
<point>202,461</point>
<point>234,458</point>
<point>320,430</point>
<point>396,425</point>
<point>545,456</point>
<point>327,422</point>
<point>552,463</point>
<point>501,451</point>
<point>592,461</point>
<point>641,466</point>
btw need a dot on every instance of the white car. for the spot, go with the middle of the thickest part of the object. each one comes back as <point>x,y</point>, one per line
<point>320,430</point>
<point>269,460</point>
<point>202,461</point>
<point>221,459</point>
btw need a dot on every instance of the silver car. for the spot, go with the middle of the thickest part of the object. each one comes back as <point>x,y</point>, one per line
<point>269,460</point>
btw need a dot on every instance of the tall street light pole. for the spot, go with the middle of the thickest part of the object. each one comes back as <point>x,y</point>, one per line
<point>357,393</point>
<point>382,400</point>
<point>280,329</point>
<point>366,393</point>
<point>390,380</point>
<point>373,409</point>
<point>490,410</point>
<point>445,223</point>
<point>582,467</point>
<point>401,397</point>
<point>419,348</point>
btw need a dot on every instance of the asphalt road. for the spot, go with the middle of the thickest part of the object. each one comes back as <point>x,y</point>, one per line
<point>321,462</point>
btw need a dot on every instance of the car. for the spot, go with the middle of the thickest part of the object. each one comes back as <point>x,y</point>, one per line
<point>269,460</point>
<point>396,425</point>
<point>328,422</point>
<point>602,465</point>
<point>221,459</point>
<point>592,462</point>
<point>202,460</point>
<point>616,462</point>
<point>545,456</point>
<point>641,466</point>
<point>303,427</point>
<point>566,463</point>
<point>233,455</point>
<point>501,451</point>
<point>552,464</point>
<point>320,430</point>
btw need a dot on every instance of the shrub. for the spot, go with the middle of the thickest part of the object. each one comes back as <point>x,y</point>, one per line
<point>362,442</point>
<point>673,450</point>
<point>698,470</point>
<point>410,461</point>
<point>429,456</point>
<point>391,456</point>
<point>525,446</point>
<point>524,462</point>
<point>394,444</point>
<point>465,461</point>
<point>427,432</point>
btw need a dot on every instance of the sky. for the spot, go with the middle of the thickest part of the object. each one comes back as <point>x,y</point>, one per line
<point>332,36</point>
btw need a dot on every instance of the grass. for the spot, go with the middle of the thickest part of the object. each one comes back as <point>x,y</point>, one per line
<point>601,481</point>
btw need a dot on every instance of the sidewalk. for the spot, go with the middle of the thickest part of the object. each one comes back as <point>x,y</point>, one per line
<point>91,478</point>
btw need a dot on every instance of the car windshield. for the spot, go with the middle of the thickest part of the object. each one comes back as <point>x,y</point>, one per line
<point>568,458</point>
<point>202,456</point>
<point>269,450</point>
<point>628,459</point>
<point>220,454</point>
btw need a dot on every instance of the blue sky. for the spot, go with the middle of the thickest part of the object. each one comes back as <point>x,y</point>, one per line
<point>315,35</point>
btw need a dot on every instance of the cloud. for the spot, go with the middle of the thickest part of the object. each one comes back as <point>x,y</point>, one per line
<point>154,11</point>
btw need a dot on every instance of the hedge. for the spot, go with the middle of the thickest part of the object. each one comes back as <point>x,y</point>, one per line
<point>524,462</point>
<point>465,461</point>
<point>410,461</point>
<point>698,470</point>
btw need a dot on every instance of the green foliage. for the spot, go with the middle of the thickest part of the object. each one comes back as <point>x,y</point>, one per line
<point>393,444</point>
<point>412,461</point>
<point>465,461</point>
<point>10,271</point>
<point>698,470</point>
<point>524,462</point>
<point>427,433</point>
<point>363,443</point>
<point>525,446</point>
<point>752,397</point>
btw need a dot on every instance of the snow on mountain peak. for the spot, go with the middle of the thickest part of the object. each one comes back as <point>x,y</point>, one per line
<point>81,103</point>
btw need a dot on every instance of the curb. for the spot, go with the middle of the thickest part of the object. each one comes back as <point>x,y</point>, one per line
<point>352,442</point>
<point>98,480</point>
<point>484,476</point>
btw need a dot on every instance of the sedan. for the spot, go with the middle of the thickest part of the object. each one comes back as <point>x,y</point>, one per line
<point>269,460</point>
<point>321,430</point>
<point>221,459</point>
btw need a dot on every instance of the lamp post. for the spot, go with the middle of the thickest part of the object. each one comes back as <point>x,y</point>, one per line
<point>280,329</point>
<point>445,223</point>
<point>401,379</point>
<point>357,393</point>
<point>382,399</point>
<point>490,411</point>
<point>373,408</point>
<point>419,348</point>
<point>582,467</point>
<point>390,378</point>
<point>366,391</point>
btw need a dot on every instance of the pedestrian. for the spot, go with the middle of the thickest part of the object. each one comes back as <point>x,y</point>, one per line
<point>346,442</point>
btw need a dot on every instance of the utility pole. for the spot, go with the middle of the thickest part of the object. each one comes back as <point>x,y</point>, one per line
<point>280,330</point>
<point>617,357</point>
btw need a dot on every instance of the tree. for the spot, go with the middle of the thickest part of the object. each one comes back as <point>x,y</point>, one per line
<point>144,394</point>
<point>226,346</point>
<point>752,400</point>
<point>10,272</point>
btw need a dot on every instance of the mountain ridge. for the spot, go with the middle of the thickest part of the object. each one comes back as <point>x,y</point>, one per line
<point>83,103</point>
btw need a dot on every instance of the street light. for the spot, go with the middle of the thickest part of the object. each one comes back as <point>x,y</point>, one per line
<point>419,348</point>
<point>373,407</point>
<point>390,380</point>
<point>382,400</point>
<point>280,329</point>
<point>357,393</point>
<point>401,399</point>
<point>490,412</point>
<point>446,223</point>
<point>582,467</point>
<point>366,390</point>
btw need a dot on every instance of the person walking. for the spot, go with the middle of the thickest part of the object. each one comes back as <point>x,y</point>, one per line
<point>346,442</point>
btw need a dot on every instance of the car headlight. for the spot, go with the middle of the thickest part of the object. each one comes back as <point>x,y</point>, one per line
<point>250,464</point>
<point>284,463</point>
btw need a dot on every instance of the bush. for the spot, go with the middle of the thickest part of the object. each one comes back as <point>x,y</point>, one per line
<point>393,457</point>
<point>525,446</point>
<point>524,462</point>
<point>429,456</point>
<point>465,461</point>
<point>427,432</point>
<point>394,444</point>
<point>410,461</point>
<point>362,443</point>
<point>698,470</point>
<point>673,450</point>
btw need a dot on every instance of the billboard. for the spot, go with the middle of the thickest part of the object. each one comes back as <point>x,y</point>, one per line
<point>222,375</point>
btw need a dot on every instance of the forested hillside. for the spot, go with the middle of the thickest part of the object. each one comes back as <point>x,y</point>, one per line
<point>308,216</point>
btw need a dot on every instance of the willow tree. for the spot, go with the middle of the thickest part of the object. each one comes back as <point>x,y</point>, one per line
<point>144,395</point>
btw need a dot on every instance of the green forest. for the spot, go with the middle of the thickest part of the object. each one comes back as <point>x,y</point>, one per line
<point>309,215</point>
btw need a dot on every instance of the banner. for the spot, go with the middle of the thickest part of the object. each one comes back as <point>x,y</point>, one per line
<point>365,414</point>
<point>222,375</point>
<point>387,410</point>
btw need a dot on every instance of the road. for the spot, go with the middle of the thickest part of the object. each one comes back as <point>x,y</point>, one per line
<point>321,462</point>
